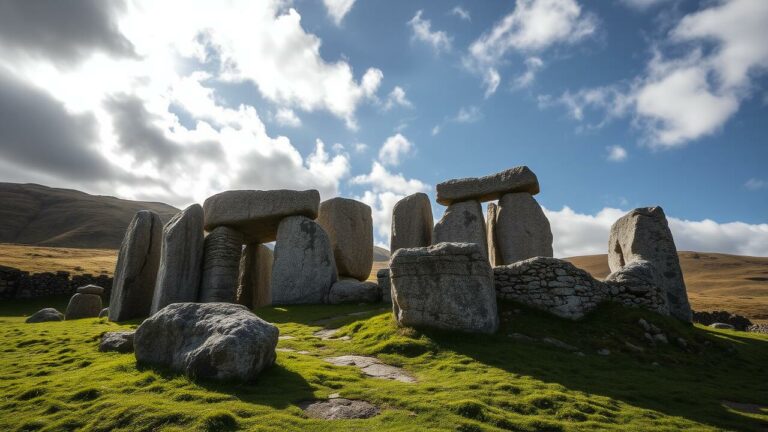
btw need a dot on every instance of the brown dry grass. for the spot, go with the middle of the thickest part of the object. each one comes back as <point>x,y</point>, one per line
<point>39,259</point>
<point>715,281</point>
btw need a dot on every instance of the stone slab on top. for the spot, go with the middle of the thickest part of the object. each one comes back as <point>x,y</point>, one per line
<point>488,188</point>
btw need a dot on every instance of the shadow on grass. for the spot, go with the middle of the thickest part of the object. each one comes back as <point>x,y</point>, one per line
<point>689,381</point>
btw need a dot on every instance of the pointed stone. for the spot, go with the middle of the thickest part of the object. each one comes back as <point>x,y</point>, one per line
<point>221,265</point>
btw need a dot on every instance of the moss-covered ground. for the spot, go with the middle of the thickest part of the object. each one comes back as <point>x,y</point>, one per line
<point>53,378</point>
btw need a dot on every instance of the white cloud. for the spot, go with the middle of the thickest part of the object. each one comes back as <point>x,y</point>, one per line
<point>397,97</point>
<point>532,66</point>
<point>422,31</point>
<point>578,234</point>
<point>617,153</point>
<point>469,114</point>
<point>286,117</point>
<point>533,26</point>
<point>756,184</point>
<point>643,4</point>
<point>435,130</point>
<point>394,148</point>
<point>461,13</point>
<point>360,147</point>
<point>338,9</point>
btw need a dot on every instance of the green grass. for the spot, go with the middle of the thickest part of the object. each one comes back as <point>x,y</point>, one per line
<point>52,377</point>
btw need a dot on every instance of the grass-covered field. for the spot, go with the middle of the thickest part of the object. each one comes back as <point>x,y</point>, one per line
<point>52,377</point>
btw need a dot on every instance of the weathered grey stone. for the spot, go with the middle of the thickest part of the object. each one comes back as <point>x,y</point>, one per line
<point>339,408</point>
<point>256,213</point>
<point>104,313</point>
<point>372,366</point>
<point>522,229</point>
<point>120,341</point>
<point>304,268</point>
<point>83,306</point>
<point>221,265</point>
<point>411,222</point>
<point>349,225</point>
<point>382,277</point>
<point>181,257</point>
<point>45,315</point>
<point>136,269</point>
<point>347,290</point>
<point>207,340</point>
<point>445,286</point>
<point>494,253</point>
<point>254,284</point>
<point>643,234</point>
<point>488,188</point>
<point>91,289</point>
<point>463,222</point>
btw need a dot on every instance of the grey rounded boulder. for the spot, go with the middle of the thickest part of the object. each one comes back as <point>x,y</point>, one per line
<point>45,315</point>
<point>207,340</point>
<point>83,306</point>
<point>350,227</point>
<point>91,289</point>
<point>121,341</point>
<point>354,291</point>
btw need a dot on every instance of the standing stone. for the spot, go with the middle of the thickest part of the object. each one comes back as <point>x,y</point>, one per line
<point>382,277</point>
<point>350,227</point>
<point>83,306</point>
<point>221,265</point>
<point>463,222</point>
<point>254,289</point>
<point>494,254</point>
<point>181,257</point>
<point>643,234</point>
<point>522,229</point>
<point>136,269</point>
<point>304,268</point>
<point>488,188</point>
<point>446,286</point>
<point>411,222</point>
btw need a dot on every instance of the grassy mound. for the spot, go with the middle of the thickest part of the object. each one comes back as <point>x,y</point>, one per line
<point>53,378</point>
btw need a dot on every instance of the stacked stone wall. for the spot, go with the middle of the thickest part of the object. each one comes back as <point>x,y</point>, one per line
<point>18,284</point>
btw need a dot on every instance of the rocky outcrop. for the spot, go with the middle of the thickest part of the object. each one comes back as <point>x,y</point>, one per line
<point>221,265</point>
<point>304,268</point>
<point>349,226</point>
<point>446,286</point>
<point>488,188</point>
<point>207,340</point>
<point>257,214</point>
<point>83,306</point>
<point>463,222</point>
<point>254,283</point>
<point>411,222</point>
<point>643,234</point>
<point>45,315</point>
<point>522,230</point>
<point>181,256</point>
<point>354,291</point>
<point>136,268</point>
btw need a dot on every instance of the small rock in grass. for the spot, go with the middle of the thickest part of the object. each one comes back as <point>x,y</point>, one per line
<point>559,344</point>
<point>661,337</point>
<point>340,408</point>
<point>604,352</point>
<point>83,306</point>
<point>121,342</point>
<point>45,315</point>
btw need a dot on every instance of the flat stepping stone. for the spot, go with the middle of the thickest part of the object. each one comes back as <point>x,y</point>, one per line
<point>339,408</point>
<point>372,366</point>
<point>327,334</point>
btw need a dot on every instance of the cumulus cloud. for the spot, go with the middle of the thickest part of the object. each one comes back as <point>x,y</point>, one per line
<point>533,26</point>
<point>422,31</point>
<point>578,234</point>
<point>287,117</point>
<point>617,153</point>
<point>643,4</point>
<point>397,97</point>
<point>532,66</point>
<point>460,12</point>
<point>338,9</point>
<point>394,148</point>
<point>469,114</point>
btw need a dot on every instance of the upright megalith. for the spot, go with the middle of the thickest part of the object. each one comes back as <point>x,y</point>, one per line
<point>254,284</point>
<point>494,254</point>
<point>181,257</point>
<point>304,268</point>
<point>463,222</point>
<point>446,286</point>
<point>643,234</point>
<point>522,230</point>
<point>256,213</point>
<point>411,222</point>
<point>221,265</point>
<point>488,188</point>
<point>136,268</point>
<point>350,227</point>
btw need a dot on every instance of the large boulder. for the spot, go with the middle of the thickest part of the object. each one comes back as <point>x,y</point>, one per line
<point>494,253</point>
<point>45,315</point>
<point>304,268</point>
<point>488,188</point>
<point>181,257</point>
<point>643,234</point>
<point>119,341</point>
<point>256,213</point>
<point>354,291</point>
<point>411,222</point>
<point>207,340</point>
<point>83,306</point>
<point>446,286</point>
<point>463,222</point>
<point>522,229</point>
<point>136,268</point>
<point>221,265</point>
<point>254,284</point>
<point>349,225</point>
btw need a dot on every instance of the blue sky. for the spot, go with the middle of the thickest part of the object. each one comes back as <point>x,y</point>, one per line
<point>614,105</point>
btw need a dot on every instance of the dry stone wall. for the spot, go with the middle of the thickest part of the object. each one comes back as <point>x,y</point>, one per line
<point>18,284</point>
